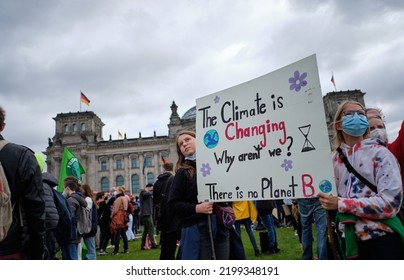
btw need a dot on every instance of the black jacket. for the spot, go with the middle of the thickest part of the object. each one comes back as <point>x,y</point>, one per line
<point>25,181</point>
<point>146,203</point>
<point>52,216</point>
<point>104,214</point>
<point>158,188</point>
<point>167,221</point>
<point>183,198</point>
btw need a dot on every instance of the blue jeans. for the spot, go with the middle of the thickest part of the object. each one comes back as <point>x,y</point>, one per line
<point>281,213</point>
<point>196,244</point>
<point>90,244</point>
<point>247,224</point>
<point>69,252</point>
<point>269,224</point>
<point>310,210</point>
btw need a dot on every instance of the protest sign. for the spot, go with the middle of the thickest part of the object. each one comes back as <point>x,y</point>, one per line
<point>265,139</point>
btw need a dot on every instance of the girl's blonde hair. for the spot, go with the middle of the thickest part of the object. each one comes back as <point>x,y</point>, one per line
<point>121,189</point>
<point>339,137</point>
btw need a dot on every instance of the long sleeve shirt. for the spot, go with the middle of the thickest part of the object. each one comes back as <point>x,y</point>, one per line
<point>379,166</point>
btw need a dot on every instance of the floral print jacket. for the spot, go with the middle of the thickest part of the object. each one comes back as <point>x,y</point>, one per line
<point>374,162</point>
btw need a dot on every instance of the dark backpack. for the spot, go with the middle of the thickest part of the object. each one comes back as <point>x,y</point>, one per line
<point>66,230</point>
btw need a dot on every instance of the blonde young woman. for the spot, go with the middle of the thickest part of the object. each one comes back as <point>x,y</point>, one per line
<point>195,240</point>
<point>367,231</point>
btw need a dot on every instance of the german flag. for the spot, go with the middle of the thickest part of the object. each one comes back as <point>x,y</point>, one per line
<point>332,80</point>
<point>163,160</point>
<point>84,99</point>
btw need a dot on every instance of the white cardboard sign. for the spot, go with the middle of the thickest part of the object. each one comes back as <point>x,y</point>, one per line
<point>265,139</point>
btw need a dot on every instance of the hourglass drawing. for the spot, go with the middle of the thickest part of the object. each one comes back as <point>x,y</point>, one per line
<point>307,145</point>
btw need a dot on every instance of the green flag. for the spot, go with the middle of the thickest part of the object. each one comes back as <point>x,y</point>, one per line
<point>70,167</point>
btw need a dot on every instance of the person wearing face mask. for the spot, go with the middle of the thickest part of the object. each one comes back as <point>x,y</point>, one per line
<point>365,218</point>
<point>378,130</point>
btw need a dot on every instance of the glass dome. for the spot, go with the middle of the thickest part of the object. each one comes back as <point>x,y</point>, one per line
<point>190,114</point>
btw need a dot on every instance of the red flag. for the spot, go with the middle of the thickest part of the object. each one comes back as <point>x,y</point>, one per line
<point>84,99</point>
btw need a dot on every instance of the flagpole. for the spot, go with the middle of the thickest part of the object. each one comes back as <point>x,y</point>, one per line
<point>80,101</point>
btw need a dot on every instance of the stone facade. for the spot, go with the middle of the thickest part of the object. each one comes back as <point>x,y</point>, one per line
<point>109,163</point>
<point>134,162</point>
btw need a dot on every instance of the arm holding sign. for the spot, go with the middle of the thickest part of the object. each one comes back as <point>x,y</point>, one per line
<point>184,198</point>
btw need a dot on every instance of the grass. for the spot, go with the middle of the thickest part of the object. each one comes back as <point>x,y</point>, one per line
<point>287,242</point>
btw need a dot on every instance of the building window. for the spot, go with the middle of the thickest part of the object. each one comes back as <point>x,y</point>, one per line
<point>118,164</point>
<point>133,163</point>
<point>150,178</point>
<point>104,184</point>
<point>135,184</point>
<point>66,128</point>
<point>120,181</point>
<point>147,162</point>
<point>83,127</point>
<point>103,165</point>
<point>74,127</point>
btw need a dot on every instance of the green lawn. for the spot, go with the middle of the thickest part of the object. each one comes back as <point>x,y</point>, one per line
<point>287,242</point>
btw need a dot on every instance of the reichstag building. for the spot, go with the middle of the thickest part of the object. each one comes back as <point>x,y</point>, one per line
<point>134,162</point>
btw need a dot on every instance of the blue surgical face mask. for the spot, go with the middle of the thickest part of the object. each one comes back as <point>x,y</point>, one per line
<point>354,125</point>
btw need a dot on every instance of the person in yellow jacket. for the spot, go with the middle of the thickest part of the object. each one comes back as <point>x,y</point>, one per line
<point>246,214</point>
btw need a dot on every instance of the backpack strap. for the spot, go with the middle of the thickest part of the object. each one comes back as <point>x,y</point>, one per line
<point>353,170</point>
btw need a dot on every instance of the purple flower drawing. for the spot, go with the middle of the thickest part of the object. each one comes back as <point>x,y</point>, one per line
<point>287,164</point>
<point>298,81</point>
<point>205,169</point>
<point>216,99</point>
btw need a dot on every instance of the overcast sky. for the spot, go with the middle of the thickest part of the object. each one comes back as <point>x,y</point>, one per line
<point>132,59</point>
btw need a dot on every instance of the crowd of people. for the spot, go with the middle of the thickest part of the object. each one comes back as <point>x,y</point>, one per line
<point>368,172</point>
